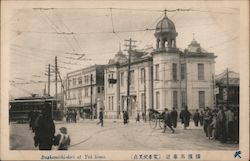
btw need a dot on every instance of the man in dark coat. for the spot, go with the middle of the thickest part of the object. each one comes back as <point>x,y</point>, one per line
<point>221,124</point>
<point>101,117</point>
<point>185,117</point>
<point>201,117</point>
<point>167,120</point>
<point>196,118</point>
<point>125,117</point>
<point>45,130</point>
<point>174,115</point>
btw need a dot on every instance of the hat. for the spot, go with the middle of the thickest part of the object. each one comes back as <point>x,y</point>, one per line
<point>63,130</point>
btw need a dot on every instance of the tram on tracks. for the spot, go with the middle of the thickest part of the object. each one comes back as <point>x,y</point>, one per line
<point>21,107</point>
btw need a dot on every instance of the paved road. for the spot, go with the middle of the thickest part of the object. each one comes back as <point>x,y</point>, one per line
<point>86,135</point>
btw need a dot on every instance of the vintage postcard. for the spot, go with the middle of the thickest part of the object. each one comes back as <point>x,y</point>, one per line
<point>125,80</point>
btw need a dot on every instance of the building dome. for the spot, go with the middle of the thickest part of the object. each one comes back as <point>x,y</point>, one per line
<point>165,26</point>
<point>195,47</point>
<point>165,34</point>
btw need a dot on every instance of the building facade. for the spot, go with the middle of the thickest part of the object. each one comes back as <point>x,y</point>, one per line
<point>167,77</point>
<point>85,90</point>
<point>116,94</point>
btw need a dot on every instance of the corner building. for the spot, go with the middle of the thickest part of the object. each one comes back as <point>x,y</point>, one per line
<point>181,77</point>
<point>166,77</point>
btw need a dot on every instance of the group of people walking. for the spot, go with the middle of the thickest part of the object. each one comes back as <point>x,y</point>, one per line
<point>71,116</point>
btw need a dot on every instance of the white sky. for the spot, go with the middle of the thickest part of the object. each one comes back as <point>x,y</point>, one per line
<point>34,43</point>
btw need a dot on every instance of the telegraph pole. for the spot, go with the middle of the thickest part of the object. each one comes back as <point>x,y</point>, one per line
<point>129,64</point>
<point>49,80</point>
<point>227,88</point>
<point>56,79</point>
<point>91,93</point>
<point>145,107</point>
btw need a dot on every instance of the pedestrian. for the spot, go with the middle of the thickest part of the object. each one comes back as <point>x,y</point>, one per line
<point>44,133</point>
<point>101,117</point>
<point>213,126</point>
<point>125,117</point>
<point>167,120</point>
<point>174,115</point>
<point>144,116</point>
<point>229,123</point>
<point>62,139</point>
<point>185,117</point>
<point>206,121</point>
<point>74,115</point>
<point>201,117</point>
<point>196,118</point>
<point>138,117</point>
<point>221,118</point>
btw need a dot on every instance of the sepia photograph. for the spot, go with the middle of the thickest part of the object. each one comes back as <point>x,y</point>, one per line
<point>129,77</point>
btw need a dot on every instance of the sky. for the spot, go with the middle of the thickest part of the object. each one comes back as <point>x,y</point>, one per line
<point>38,35</point>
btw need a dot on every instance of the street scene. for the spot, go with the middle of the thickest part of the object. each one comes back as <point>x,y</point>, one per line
<point>124,79</point>
<point>86,135</point>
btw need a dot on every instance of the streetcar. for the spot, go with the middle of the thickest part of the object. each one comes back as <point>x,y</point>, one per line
<point>21,107</point>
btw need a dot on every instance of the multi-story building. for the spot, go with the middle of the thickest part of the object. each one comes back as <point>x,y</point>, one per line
<point>167,77</point>
<point>85,90</point>
<point>140,91</point>
<point>227,86</point>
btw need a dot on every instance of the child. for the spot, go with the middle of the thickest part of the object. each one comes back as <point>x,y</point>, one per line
<point>64,139</point>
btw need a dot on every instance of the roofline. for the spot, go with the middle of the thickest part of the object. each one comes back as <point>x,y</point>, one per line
<point>93,66</point>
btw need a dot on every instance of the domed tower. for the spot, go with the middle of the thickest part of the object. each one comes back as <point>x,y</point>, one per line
<point>165,34</point>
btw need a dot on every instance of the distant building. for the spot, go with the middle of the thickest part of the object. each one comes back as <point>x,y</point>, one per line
<point>227,80</point>
<point>85,90</point>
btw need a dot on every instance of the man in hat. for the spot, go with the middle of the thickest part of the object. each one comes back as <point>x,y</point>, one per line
<point>167,120</point>
<point>100,117</point>
<point>45,130</point>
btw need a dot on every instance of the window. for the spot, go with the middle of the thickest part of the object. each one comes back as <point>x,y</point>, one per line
<point>142,75</point>
<point>122,78</point>
<point>132,77</point>
<point>80,94</point>
<point>109,102</point>
<point>69,83</point>
<point>142,101</point>
<point>74,95</point>
<point>182,71</point>
<point>201,99</point>
<point>175,99</point>
<point>157,100</point>
<point>112,76</point>
<point>157,77</point>
<point>80,80</point>
<point>108,80</point>
<point>174,71</point>
<point>74,81</point>
<point>86,79</point>
<point>200,71</point>
<point>183,98</point>
<point>86,90</point>
<point>112,102</point>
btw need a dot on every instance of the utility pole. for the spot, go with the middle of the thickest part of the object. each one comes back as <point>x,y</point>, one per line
<point>214,95</point>
<point>145,107</point>
<point>227,88</point>
<point>129,64</point>
<point>56,79</point>
<point>91,93</point>
<point>49,80</point>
